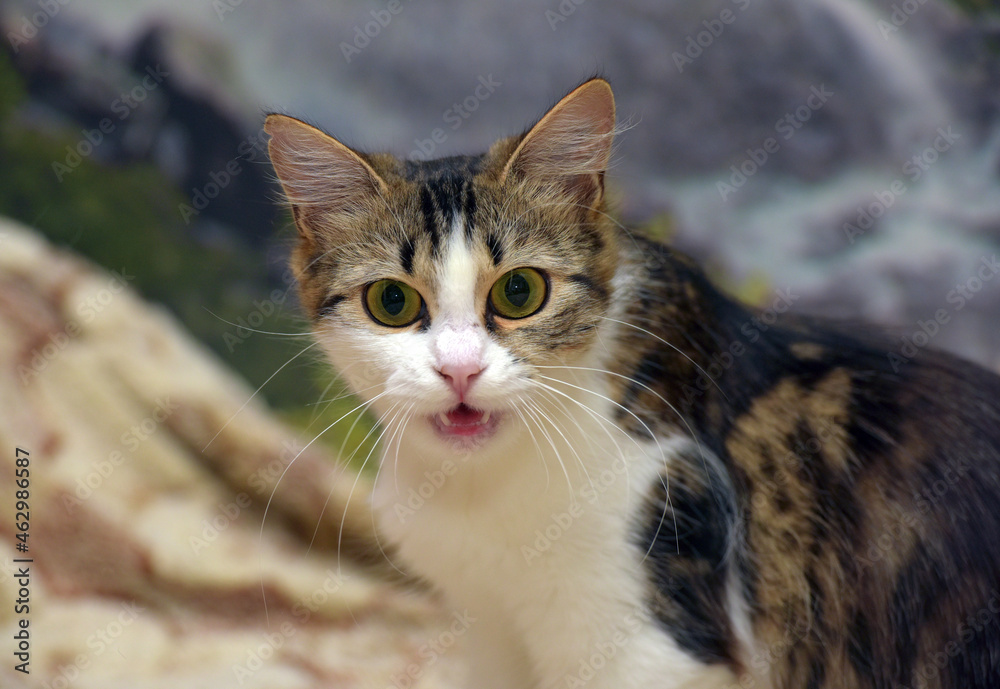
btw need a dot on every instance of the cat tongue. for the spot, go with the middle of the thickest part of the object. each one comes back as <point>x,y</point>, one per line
<point>464,415</point>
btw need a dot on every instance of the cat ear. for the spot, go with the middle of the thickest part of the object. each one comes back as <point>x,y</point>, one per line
<point>318,174</point>
<point>570,144</point>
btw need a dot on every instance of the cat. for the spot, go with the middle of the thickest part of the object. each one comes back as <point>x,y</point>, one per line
<point>616,475</point>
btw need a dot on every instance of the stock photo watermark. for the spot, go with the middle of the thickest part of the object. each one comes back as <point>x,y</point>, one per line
<point>614,641</point>
<point>431,651</point>
<point>928,673</point>
<point>87,310</point>
<point>455,117</point>
<point>123,106</point>
<point>271,642</point>
<point>751,331</point>
<point>227,513</point>
<point>561,522</point>
<point>30,24</point>
<point>365,33</point>
<point>218,180</point>
<point>563,11</point>
<point>956,299</point>
<point>901,13</point>
<point>98,642</point>
<point>695,45</point>
<point>785,128</point>
<point>912,170</point>
<point>129,443</point>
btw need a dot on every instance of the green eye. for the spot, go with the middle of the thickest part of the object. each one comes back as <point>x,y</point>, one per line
<point>393,303</point>
<point>519,293</point>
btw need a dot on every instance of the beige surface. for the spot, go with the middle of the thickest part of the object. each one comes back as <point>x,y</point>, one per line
<point>150,564</point>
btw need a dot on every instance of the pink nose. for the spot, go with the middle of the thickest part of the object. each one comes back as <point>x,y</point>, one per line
<point>460,375</point>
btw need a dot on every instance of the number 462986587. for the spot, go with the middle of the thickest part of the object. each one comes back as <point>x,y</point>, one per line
<point>22,482</point>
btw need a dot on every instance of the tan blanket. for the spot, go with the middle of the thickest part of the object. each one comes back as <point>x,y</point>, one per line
<point>149,563</point>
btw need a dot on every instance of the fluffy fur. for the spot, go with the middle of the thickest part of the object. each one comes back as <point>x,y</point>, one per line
<point>664,494</point>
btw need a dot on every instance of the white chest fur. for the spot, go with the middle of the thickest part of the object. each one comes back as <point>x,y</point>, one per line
<point>535,546</point>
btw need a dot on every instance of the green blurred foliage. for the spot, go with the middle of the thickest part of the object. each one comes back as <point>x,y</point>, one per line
<point>978,6</point>
<point>126,218</point>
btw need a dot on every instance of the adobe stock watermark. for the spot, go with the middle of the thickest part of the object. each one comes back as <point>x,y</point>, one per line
<point>762,660</point>
<point>246,326</point>
<point>417,496</point>
<point>455,117</point>
<point>130,440</point>
<point>123,106</point>
<point>788,467</point>
<point>246,152</point>
<point>432,650</point>
<point>912,170</point>
<point>86,311</point>
<point>224,7</point>
<point>271,642</point>
<point>928,673</point>
<point>750,331</point>
<point>901,13</point>
<point>262,479</point>
<point>613,642</point>
<point>785,128</point>
<point>957,299</point>
<point>695,45</point>
<point>365,33</point>
<point>561,522</point>
<point>563,11</point>
<point>30,24</point>
<point>926,500</point>
<point>98,642</point>
<point>226,514</point>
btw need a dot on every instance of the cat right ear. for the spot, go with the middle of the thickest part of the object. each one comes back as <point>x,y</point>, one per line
<point>321,177</point>
<point>571,144</point>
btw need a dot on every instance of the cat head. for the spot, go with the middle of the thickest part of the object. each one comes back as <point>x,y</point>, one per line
<point>442,289</point>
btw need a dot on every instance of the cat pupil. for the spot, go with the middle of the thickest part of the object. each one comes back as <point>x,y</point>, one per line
<point>393,300</point>
<point>516,290</point>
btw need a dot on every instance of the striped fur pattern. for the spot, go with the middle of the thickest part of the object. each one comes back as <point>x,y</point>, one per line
<point>668,493</point>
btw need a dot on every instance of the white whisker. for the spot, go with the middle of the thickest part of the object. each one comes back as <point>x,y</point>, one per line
<point>672,346</point>
<point>531,409</point>
<point>267,506</point>
<point>280,368</point>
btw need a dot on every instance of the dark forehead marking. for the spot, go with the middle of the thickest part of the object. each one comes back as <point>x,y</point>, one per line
<point>430,217</point>
<point>452,166</point>
<point>406,251</point>
<point>445,191</point>
<point>496,248</point>
<point>469,208</point>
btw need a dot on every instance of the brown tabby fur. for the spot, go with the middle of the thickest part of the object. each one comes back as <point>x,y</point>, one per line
<point>855,500</point>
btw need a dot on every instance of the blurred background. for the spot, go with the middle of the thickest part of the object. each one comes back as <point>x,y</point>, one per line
<point>841,156</point>
<point>180,193</point>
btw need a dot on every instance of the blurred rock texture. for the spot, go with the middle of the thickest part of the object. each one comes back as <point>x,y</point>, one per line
<point>150,472</point>
<point>879,200</point>
<point>875,200</point>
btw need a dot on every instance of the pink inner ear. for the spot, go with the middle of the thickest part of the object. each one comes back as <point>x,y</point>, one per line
<point>573,138</point>
<point>316,170</point>
<point>571,144</point>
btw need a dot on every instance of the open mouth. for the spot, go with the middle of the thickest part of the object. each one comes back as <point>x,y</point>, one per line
<point>464,421</point>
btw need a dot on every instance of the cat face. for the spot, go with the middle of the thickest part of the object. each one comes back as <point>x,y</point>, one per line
<point>443,290</point>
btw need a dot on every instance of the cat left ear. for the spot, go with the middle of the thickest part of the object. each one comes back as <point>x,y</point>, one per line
<point>318,173</point>
<point>570,144</point>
